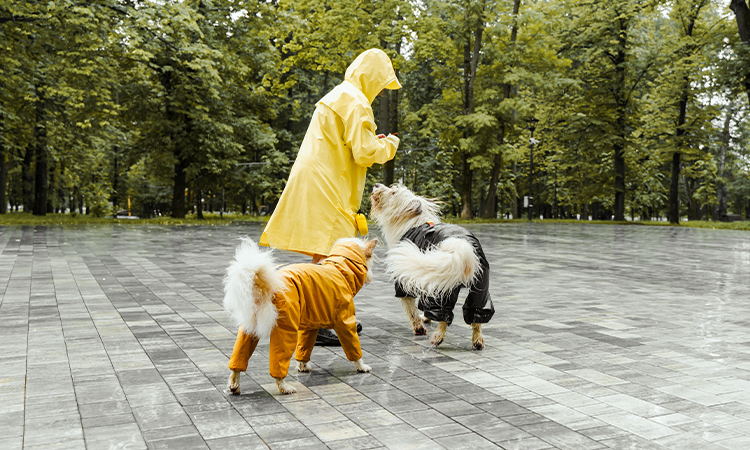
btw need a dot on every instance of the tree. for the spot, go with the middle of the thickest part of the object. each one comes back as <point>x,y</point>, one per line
<point>742,15</point>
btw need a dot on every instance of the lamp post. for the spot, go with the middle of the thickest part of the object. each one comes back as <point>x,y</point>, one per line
<point>532,126</point>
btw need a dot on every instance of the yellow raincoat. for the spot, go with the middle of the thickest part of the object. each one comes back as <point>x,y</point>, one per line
<point>324,191</point>
<point>316,296</point>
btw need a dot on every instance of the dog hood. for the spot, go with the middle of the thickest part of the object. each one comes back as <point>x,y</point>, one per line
<point>350,259</point>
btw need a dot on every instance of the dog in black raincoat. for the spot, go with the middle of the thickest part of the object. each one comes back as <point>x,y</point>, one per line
<point>431,261</point>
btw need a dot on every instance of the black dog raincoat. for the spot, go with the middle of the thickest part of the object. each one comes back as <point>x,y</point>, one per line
<point>478,306</point>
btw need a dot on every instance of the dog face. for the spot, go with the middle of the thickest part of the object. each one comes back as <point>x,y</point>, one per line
<point>368,248</point>
<point>396,198</point>
<point>396,209</point>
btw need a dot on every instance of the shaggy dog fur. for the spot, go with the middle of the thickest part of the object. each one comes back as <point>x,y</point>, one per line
<point>250,285</point>
<point>428,272</point>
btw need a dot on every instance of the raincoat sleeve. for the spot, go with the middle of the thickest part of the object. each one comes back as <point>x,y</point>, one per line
<point>367,149</point>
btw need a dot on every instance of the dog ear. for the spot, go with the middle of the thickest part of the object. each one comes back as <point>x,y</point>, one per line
<point>370,247</point>
<point>415,208</point>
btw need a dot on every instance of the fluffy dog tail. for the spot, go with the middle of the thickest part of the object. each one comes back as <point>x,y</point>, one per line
<point>431,273</point>
<point>249,287</point>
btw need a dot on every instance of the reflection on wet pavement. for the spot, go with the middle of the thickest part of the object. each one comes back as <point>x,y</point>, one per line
<point>604,337</point>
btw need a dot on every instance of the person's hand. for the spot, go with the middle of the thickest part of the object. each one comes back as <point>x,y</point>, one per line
<point>381,136</point>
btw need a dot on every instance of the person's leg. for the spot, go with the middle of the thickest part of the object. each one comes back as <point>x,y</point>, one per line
<point>305,344</point>
<point>244,347</point>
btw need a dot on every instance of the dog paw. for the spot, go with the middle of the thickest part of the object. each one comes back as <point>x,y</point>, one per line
<point>234,383</point>
<point>436,340</point>
<point>285,388</point>
<point>362,367</point>
<point>420,330</point>
<point>303,367</point>
<point>478,344</point>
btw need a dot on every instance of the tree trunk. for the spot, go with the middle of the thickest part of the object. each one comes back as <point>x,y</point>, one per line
<point>489,209</point>
<point>27,180</point>
<point>384,109</point>
<point>389,166</point>
<point>178,193</point>
<point>619,182</point>
<point>514,200</point>
<point>674,190</point>
<point>622,102</point>
<point>199,204</point>
<point>3,181</point>
<point>115,199</point>
<point>466,176</point>
<point>51,190</point>
<point>689,195</point>
<point>471,61</point>
<point>40,179</point>
<point>721,188</point>
<point>742,14</point>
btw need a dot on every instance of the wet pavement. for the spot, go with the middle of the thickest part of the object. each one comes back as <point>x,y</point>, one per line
<point>604,337</point>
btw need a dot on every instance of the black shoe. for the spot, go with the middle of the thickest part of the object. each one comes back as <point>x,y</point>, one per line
<point>329,338</point>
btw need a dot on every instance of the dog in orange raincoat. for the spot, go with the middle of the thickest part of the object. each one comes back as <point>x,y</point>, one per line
<point>291,304</point>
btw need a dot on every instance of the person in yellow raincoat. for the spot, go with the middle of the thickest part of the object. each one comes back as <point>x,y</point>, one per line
<point>324,190</point>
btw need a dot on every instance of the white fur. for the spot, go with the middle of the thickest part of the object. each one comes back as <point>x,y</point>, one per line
<point>284,387</point>
<point>361,366</point>
<point>249,287</point>
<point>370,257</point>
<point>396,210</point>
<point>417,321</point>
<point>431,273</point>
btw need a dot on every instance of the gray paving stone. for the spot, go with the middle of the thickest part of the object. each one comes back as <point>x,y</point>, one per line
<point>604,337</point>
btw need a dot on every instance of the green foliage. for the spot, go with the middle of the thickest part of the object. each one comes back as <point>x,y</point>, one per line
<point>163,103</point>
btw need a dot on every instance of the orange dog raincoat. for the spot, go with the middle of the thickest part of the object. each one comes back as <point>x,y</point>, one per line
<point>316,296</point>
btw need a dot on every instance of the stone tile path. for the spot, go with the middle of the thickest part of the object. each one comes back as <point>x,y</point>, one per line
<point>604,337</point>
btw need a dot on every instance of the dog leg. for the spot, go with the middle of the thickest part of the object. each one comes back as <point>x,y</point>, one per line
<point>303,367</point>
<point>361,367</point>
<point>439,334</point>
<point>410,307</point>
<point>234,382</point>
<point>477,340</point>
<point>284,387</point>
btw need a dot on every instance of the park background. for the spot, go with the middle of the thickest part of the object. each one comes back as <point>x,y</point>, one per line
<point>633,108</point>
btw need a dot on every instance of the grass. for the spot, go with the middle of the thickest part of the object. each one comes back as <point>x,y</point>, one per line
<point>215,220</point>
<point>81,219</point>
<point>742,225</point>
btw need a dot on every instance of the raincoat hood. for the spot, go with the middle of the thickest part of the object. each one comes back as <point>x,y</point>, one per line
<point>372,72</point>
<point>351,258</point>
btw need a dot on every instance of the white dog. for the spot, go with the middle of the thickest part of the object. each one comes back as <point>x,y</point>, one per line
<point>431,261</point>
